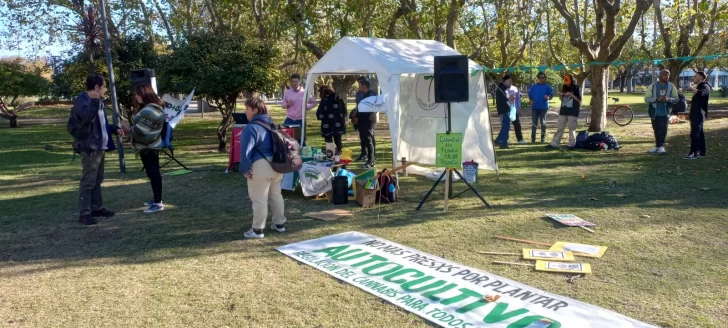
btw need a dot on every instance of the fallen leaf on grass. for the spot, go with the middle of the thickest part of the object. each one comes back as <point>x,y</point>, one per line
<point>593,198</point>
<point>638,168</point>
<point>705,189</point>
<point>645,216</point>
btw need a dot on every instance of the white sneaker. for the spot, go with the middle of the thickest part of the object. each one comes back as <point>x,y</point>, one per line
<point>661,150</point>
<point>155,207</point>
<point>653,150</point>
<point>251,234</point>
<point>279,228</point>
<point>522,142</point>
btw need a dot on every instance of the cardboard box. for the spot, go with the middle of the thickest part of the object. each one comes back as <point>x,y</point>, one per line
<point>365,197</point>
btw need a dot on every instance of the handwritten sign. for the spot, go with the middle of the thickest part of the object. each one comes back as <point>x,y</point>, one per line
<point>449,150</point>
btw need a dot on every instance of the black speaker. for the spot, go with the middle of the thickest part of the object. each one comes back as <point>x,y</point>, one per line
<point>144,75</point>
<point>451,79</point>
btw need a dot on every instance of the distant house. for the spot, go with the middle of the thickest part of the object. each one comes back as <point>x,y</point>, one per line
<point>717,78</point>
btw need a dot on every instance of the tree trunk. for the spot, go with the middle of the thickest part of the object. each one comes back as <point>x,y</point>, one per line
<point>674,67</point>
<point>14,122</point>
<point>341,85</point>
<point>599,98</point>
<point>226,111</point>
<point>622,81</point>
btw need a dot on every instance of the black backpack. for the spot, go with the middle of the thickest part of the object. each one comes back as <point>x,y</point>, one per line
<point>77,128</point>
<point>384,194</point>
<point>681,106</point>
<point>286,150</point>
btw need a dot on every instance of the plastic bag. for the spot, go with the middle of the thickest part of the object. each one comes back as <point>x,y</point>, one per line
<point>512,113</point>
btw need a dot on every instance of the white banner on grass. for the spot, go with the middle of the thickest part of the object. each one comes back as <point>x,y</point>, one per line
<point>446,293</point>
<point>315,179</point>
<point>174,109</point>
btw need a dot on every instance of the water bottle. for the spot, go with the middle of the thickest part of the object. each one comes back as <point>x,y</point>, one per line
<point>391,192</point>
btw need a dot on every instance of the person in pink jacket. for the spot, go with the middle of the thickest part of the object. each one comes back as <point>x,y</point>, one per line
<point>293,102</point>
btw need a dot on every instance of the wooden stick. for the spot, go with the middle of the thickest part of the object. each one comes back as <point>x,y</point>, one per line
<point>524,241</point>
<point>498,253</point>
<point>513,263</point>
<point>587,229</point>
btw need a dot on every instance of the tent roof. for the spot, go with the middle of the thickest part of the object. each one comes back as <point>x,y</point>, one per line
<point>365,55</point>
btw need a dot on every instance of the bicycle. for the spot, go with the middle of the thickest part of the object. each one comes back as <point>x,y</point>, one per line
<point>620,114</point>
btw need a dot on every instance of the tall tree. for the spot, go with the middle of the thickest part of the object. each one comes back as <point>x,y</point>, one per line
<point>604,46</point>
<point>685,27</point>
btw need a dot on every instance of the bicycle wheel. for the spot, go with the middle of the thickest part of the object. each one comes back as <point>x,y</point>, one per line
<point>623,115</point>
<point>588,117</point>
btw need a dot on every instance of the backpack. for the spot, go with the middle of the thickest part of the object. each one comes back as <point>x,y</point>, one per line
<point>581,138</point>
<point>77,128</point>
<point>286,151</point>
<point>681,106</point>
<point>384,194</point>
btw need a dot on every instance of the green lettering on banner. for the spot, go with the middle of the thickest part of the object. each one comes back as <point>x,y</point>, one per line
<point>527,321</point>
<point>498,313</point>
<point>332,250</point>
<point>368,270</point>
<point>449,150</point>
<point>389,277</point>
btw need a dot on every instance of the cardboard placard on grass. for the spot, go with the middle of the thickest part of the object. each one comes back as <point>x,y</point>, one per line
<point>570,220</point>
<point>365,197</point>
<point>579,249</point>
<point>551,266</point>
<point>549,255</point>
<point>330,215</point>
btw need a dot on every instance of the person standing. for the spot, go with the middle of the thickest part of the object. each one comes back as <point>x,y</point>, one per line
<point>264,184</point>
<point>366,125</point>
<point>503,105</point>
<point>147,139</point>
<point>515,95</point>
<point>332,114</point>
<point>293,102</point>
<point>660,96</point>
<point>91,139</point>
<point>569,112</point>
<point>698,114</point>
<point>539,94</point>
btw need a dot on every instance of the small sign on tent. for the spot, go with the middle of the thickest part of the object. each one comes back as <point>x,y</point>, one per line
<point>449,150</point>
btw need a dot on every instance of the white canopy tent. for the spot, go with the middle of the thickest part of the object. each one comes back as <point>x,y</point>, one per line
<point>404,69</point>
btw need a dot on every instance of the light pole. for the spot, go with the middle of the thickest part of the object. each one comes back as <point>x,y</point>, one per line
<point>112,86</point>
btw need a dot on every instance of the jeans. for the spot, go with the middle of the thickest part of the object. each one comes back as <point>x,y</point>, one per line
<point>517,127</point>
<point>659,126</point>
<point>565,120</point>
<point>502,138</point>
<point>538,117</point>
<point>368,145</point>
<point>336,139</point>
<point>150,159</point>
<point>697,135</point>
<point>89,197</point>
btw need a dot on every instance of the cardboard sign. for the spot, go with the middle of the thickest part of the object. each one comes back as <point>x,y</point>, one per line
<point>446,293</point>
<point>540,254</point>
<point>571,220</point>
<point>579,249</point>
<point>563,267</point>
<point>449,150</point>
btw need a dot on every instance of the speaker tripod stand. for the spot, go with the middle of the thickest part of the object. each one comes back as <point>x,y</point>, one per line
<point>448,181</point>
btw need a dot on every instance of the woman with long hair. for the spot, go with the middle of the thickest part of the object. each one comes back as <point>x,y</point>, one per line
<point>569,112</point>
<point>264,184</point>
<point>332,114</point>
<point>147,139</point>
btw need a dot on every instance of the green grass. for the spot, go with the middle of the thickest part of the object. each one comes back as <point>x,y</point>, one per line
<point>637,101</point>
<point>188,266</point>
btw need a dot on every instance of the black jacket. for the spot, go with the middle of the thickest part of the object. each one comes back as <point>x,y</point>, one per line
<point>332,114</point>
<point>575,105</point>
<point>700,100</point>
<point>501,99</point>
<point>87,109</point>
<point>366,120</point>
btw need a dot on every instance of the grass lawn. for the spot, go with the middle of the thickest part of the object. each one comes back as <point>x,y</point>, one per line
<point>637,101</point>
<point>663,219</point>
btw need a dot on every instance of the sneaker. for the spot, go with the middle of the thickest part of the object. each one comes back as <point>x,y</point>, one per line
<point>653,150</point>
<point>701,155</point>
<point>661,150</point>
<point>87,219</point>
<point>367,165</point>
<point>102,212</point>
<point>149,203</point>
<point>254,235</point>
<point>505,147</point>
<point>361,158</point>
<point>155,207</point>
<point>522,142</point>
<point>278,227</point>
<point>690,156</point>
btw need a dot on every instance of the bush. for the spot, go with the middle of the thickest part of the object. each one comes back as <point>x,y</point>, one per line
<point>639,89</point>
<point>724,92</point>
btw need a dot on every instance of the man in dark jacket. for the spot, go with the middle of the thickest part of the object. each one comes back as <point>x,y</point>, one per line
<point>698,114</point>
<point>88,115</point>
<point>503,105</point>
<point>366,127</point>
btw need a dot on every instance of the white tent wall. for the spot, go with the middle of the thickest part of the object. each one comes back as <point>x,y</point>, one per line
<point>395,62</point>
<point>416,139</point>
